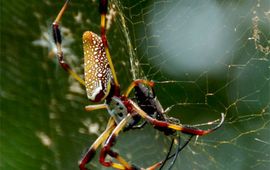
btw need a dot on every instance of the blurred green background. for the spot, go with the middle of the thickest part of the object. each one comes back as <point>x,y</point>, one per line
<point>207,57</point>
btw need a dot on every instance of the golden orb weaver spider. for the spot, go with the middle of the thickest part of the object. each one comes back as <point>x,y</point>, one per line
<point>102,85</point>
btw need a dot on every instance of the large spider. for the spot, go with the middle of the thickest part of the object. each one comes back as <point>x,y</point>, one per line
<point>102,85</point>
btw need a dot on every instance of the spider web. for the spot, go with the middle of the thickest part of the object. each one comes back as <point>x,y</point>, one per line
<point>206,57</point>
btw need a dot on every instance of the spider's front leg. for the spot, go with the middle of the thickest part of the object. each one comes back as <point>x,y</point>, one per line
<point>58,40</point>
<point>92,150</point>
<point>164,124</point>
<point>106,150</point>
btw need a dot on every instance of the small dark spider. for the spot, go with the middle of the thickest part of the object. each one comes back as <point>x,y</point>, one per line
<point>148,102</point>
<point>102,85</point>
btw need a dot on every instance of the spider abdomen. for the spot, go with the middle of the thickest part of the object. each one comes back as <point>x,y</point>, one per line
<point>97,71</point>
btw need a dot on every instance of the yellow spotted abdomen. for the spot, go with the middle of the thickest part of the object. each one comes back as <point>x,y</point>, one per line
<point>97,72</point>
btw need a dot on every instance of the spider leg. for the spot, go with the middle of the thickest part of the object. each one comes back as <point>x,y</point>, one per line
<point>139,126</point>
<point>136,83</point>
<point>175,154</point>
<point>103,8</point>
<point>178,151</point>
<point>168,154</point>
<point>58,40</point>
<point>90,108</point>
<point>184,129</point>
<point>106,149</point>
<point>92,150</point>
